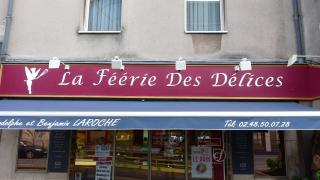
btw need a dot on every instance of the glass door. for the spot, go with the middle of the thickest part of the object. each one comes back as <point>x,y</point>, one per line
<point>84,153</point>
<point>201,149</point>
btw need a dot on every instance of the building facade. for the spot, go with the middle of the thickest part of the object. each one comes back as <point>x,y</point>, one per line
<point>158,32</point>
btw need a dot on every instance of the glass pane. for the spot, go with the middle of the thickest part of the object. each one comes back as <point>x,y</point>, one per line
<point>131,155</point>
<point>33,150</point>
<point>85,150</point>
<point>203,16</point>
<point>168,155</point>
<point>269,153</point>
<point>105,15</point>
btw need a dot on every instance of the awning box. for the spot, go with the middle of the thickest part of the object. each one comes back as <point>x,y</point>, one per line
<point>153,115</point>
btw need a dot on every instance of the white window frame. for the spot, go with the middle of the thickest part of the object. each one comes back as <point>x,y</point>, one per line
<point>222,30</point>
<point>86,21</point>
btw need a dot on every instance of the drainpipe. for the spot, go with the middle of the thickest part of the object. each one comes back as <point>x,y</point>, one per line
<point>297,18</point>
<point>6,32</point>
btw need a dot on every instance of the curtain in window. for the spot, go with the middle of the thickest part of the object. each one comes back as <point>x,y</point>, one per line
<point>203,15</point>
<point>105,15</point>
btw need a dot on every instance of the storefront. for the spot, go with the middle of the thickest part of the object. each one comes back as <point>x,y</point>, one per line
<point>170,157</point>
<point>152,122</point>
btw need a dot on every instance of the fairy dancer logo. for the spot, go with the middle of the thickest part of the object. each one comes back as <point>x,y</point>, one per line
<point>33,74</point>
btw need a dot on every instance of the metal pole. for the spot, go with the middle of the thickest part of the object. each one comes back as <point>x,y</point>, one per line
<point>149,155</point>
<point>186,154</point>
<point>113,152</point>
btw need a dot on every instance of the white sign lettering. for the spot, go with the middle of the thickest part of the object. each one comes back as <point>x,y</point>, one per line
<point>96,122</point>
<point>123,79</point>
<point>245,80</point>
<point>176,79</point>
<point>59,123</point>
<point>105,78</point>
<point>76,80</point>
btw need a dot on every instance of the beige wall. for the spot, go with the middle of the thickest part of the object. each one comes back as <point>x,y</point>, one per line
<point>311,26</point>
<point>153,29</point>
<point>3,13</point>
<point>262,29</point>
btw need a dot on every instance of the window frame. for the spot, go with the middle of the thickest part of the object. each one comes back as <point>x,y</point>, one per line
<point>222,30</point>
<point>86,21</point>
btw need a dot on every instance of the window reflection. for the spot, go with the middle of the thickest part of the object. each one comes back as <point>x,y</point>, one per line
<point>33,149</point>
<point>269,153</point>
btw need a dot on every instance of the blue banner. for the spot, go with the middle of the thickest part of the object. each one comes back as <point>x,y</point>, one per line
<point>218,123</point>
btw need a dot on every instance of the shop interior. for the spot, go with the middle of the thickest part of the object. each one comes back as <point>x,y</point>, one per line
<point>139,154</point>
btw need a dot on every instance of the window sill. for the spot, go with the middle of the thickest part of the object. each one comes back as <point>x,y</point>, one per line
<point>41,171</point>
<point>206,32</point>
<point>99,32</point>
<point>270,177</point>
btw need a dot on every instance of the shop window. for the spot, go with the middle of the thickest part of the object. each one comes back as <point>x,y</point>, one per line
<point>137,154</point>
<point>168,155</point>
<point>269,159</point>
<point>33,150</point>
<point>204,16</point>
<point>103,15</point>
<point>131,155</point>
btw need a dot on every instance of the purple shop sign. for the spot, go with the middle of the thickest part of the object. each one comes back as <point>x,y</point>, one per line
<point>298,82</point>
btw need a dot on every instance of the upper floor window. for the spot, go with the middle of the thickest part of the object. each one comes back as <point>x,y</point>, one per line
<point>103,15</point>
<point>204,16</point>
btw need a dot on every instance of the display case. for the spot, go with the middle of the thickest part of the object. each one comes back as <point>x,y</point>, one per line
<point>83,163</point>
